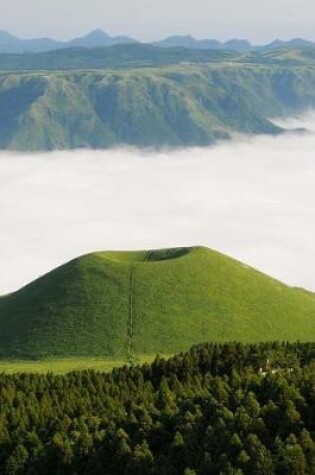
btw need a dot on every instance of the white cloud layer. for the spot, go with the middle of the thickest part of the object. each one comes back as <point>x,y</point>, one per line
<point>305,120</point>
<point>252,199</point>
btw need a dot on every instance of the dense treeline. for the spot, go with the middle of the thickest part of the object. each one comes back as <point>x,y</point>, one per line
<point>228,409</point>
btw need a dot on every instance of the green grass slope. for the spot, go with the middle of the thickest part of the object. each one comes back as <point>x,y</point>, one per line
<point>179,103</point>
<point>123,304</point>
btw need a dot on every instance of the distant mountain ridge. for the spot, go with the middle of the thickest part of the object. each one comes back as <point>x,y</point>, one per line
<point>12,44</point>
<point>193,43</point>
<point>240,45</point>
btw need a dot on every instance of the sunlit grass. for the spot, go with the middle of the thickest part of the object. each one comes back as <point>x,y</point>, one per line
<point>62,366</point>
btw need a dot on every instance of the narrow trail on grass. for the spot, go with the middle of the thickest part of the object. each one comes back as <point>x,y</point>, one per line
<point>130,352</point>
<point>130,324</point>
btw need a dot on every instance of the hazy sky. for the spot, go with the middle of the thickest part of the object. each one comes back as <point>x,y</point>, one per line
<point>253,199</point>
<point>257,20</point>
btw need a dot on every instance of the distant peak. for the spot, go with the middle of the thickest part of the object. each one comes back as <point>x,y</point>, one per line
<point>276,42</point>
<point>181,37</point>
<point>299,41</point>
<point>186,37</point>
<point>97,34</point>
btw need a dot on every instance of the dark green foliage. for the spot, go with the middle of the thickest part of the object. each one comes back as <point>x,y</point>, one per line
<point>221,409</point>
<point>127,304</point>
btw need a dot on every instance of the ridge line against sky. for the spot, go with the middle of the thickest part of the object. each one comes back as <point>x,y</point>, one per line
<point>147,20</point>
<point>84,34</point>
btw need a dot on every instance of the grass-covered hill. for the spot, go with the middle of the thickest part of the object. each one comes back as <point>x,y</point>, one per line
<point>145,96</point>
<point>124,304</point>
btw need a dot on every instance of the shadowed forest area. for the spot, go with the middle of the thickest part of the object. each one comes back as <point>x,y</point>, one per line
<point>228,409</point>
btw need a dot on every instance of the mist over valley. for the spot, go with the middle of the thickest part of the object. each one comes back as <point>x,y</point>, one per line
<point>252,198</point>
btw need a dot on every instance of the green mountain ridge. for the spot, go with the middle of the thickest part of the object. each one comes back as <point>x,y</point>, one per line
<point>177,104</point>
<point>123,304</point>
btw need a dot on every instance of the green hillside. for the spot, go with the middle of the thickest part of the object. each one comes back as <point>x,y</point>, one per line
<point>118,56</point>
<point>126,56</point>
<point>124,304</point>
<point>190,98</point>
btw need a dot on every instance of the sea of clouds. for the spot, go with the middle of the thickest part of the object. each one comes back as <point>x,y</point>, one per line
<point>253,199</point>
